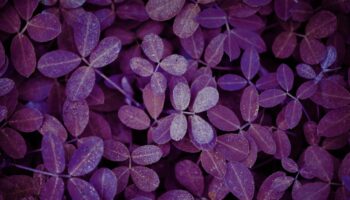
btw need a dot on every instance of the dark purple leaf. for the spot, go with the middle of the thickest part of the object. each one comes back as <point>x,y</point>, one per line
<point>106,52</point>
<point>250,63</point>
<point>161,133</point>
<point>215,50</point>
<point>289,165</point>
<point>282,8</point>
<point>248,39</point>
<point>283,146</point>
<point>146,154</point>
<point>301,11</point>
<point>176,195</point>
<point>194,45</point>
<point>134,117</point>
<point>231,47</point>
<point>80,84</point>
<point>52,189</point>
<point>53,153</point>
<point>105,183</point>
<point>26,120</point>
<point>285,77</point>
<point>189,175</point>
<point>252,23</point>
<point>257,3</point>
<point>313,191</point>
<point>44,27</point>
<point>274,186</point>
<point>25,8</point>
<point>321,25</point>
<point>132,10</point>
<point>145,179</point>
<point>271,98</point>
<point>312,51</point>
<point>249,105</point>
<point>80,189</point>
<point>334,123</point>
<point>231,82</point>
<point>293,113</point>
<point>9,20</point>
<point>211,18</point>
<point>233,147</point>
<point>185,24</point>
<point>75,116</point>
<point>6,85</point>
<point>307,90</point>
<point>12,143</point>
<point>154,102</point>
<point>115,150</point>
<point>223,118</point>
<point>52,125</point>
<point>213,163</point>
<point>23,55</point>
<point>122,173</point>
<point>263,138</point>
<point>17,187</point>
<point>217,189</point>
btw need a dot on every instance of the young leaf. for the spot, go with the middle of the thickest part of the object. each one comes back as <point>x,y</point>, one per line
<point>233,147</point>
<point>53,153</point>
<point>293,113</point>
<point>176,194</point>
<point>58,63</point>
<point>75,116</point>
<point>141,66</point>
<point>154,103</point>
<point>174,64</point>
<point>249,105</point>
<point>189,175</point>
<point>86,33</point>
<point>206,98</point>
<point>26,120</point>
<point>289,165</point>
<point>162,10</point>
<point>202,134</point>
<point>153,46</point>
<point>271,98</point>
<point>285,77</point>
<point>334,123</point>
<point>115,150</point>
<point>331,57</point>
<point>306,71</point>
<point>185,24</point>
<point>146,155</point>
<point>250,63</point>
<point>321,25</point>
<point>223,118</point>
<point>213,163</point>
<point>44,27</point>
<point>87,156</point>
<point>211,17</point>
<point>52,189</point>
<point>80,84</point>
<point>78,189</point>
<point>23,55</point>
<point>12,143</point>
<point>194,45</point>
<point>6,85</point>
<point>263,138</point>
<point>145,179</point>
<point>106,52</point>
<point>215,50</point>
<point>274,186</point>
<point>180,96</point>
<point>133,117</point>
<point>178,127</point>
<point>239,181</point>
<point>105,183</point>
<point>231,82</point>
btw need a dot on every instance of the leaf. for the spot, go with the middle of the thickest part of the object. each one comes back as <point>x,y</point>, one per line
<point>263,138</point>
<point>306,71</point>
<point>319,163</point>
<point>80,84</point>
<point>115,150</point>
<point>174,64</point>
<point>283,146</point>
<point>312,51</point>
<point>6,85</point>
<point>162,10</point>
<point>233,147</point>
<point>271,98</point>
<point>331,57</point>
<point>257,3</point>
<point>215,50</point>
<point>180,96</point>
<point>334,123</point>
<point>248,39</point>
<point>253,152</point>
<point>344,169</point>
<point>26,120</point>
<point>193,45</point>
<point>202,134</point>
<point>158,83</point>
<point>52,152</point>
<point>146,154</point>
<point>223,118</point>
<point>189,175</point>
<point>17,187</point>
<point>79,189</point>
<point>213,163</point>
<point>145,179</point>
<point>106,52</point>
<point>239,180</point>
<point>86,33</point>
<point>231,82</point>
<point>154,103</point>
<point>211,17</point>
<point>9,20</point>
<point>72,3</point>
<point>178,127</point>
<point>153,46</point>
<point>134,117</point>
<point>307,90</point>
<point>289,165</point>
<point>12,143</point>
<point>23,55</point>
<point>52,125</point>
<point>217,189</point>
<point>58,63</point>
<point>321,25</point>
<point>249,105</point>
<point>282,9</point>
<point>250,63</point>
<point>284,44</point>
<point>206,98</point>
<point>231,47</point>
<point>161,133</point>
<point>310,133</point>
<point>301,11</point>
<point>86,157</point>
<point>122,173</point>
<point>44,27</point>
<point>293,113</point>
<point>75,116</point>
<point>275,186</point>
<point>252,23</point>
<point>98,126</point>
<point>52,189</point>
<point>285,77</point>
<point>267,81</point>
<point>185,24</point>
<point>105,183</point>
<point>141,66</point>
<point>25,8</point>
<point>176,195</point>
<point>313,191</point>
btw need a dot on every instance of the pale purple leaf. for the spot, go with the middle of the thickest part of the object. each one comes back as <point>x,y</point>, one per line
<point>80,189</point>
<point>115,150</point>
<point>285,77</point>
<point>23,55</point>
<point>263,138</point>
<point>134,117</point>
<point>223,118</point>
<point>52,152</point>
<point>44,27</point>
<point>250,63</point>
<point>26,120</point>
<point>194,45</point>
<point>158,83</point>
<point>213,163</point>
<point>153,46</point>
<point>334,123</point>
<point>174,64</point>
<point>176,195</point>
<point>249,105</point>
<point>231,82</point>
<point>202,134</point>
<point>154,103</point>
<point>180,96</point>
<point>189,175</point>
<point>141,66</point>
<point>185,24</point>
<point>233,147</point>
<point>6,85</point>
<point>178,127</point>
<point>144,178</point>
<point>283,146</point>
<point>305,71</point>
<point>80,83</point>
<point>106,52</point>
<point>105,183</point>
<point>206,98</point>
<point>162,10</point>
<point>274,186</point>
<point>293,113</point>
<point>146,154</point>
<point>75,116</point>
<point>215,50</point>
<point>12,143</point>
<point>271,98</point>
<point>331,57</point>
<point>211,17</point>
<point>321,25</point>
<point>52,189</point>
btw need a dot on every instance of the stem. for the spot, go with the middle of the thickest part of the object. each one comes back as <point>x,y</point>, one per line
<point>24,28</point>
<point>188,113</point>
<point>244,126</point>
<point>39,171</point>
<point>202,62</point>
<point>262,117</point>
<point>300,35</point>
<point>156,69</point>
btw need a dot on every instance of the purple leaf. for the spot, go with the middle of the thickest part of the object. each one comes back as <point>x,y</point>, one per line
<point>122,173</point>
<point>80,84</point>
<point>53,153</point>
<point>285,77</point>
<point>223,118</point>
<point>248,39</point>
<point>249,105</point>
<point>105,183</point>
<point>206,98</point>
<point>231,47</point>
<point>194,45</point>
<point>213,163</point>
<point>307,90</point>
<point>185,24</point>
<point>282,8</point>
<point>134,117</point>
<point>344,168</point>
<point>141,66</point>
<point>23,55</point>
<point>52,189</point>
<point>274,186</point>
<point>115,150</point>
<point>306,71</point>
<point>301,11</point>
<point>312,51</point>
<point>233,147</point>
<point>87,156</point>
<point>6,85</point>
<point>44,27</point>
<point>310,133</point>
<point>217,189</point>
<point>132,10</point>
<point>180,96</point>
<point>239,180</point>
<point>26,120</point>
<point>26,8</point>
<point>98,126</point>
<point>252,23</point>
<point>293,113</point>
<point>145,179</point>
<point>174,64</point>
<point>106,52</point>
<point>9,20</point>
<point>75,116</point>
<point>72,3</point>
<point>215,50</point>
<point>202,134</point>
<point>313,191</point>
<point>189,175</point>
<point>250,63</point>
<point>257,3</point>
<point>146,154</point>
<point>283,146</point>
<point>158,83</point>
<point>58,63</point>
<point>178,127</point>
<point>176,195</point>
<point>263,138</point>
<point>284,44</point>
<point>52,125</point>
<point>271,98</point>
<point>231,82</point>
<point>161,133</point>
<point>211,18</point>
<point>162,10</point>
<point>334,123</point>
<point>331,57</point>
<point>12,143</point>
<point>267,81</point>
<point>80,189</point>
<point>153,46</point>
<point>86,33</point>
<point>154,102</point>
<point>321,25</point>
<point>289,165</point>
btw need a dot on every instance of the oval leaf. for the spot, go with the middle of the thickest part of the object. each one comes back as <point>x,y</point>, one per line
<point>153,46</point>
<point>206,98</point>
<point>44,27</point>
<point>178,127</point>
<point>23,55</point>
<point>263,138</point>
<point>231,82</point>
<point>146,155</point>
<point>52,151</point>
<point>202,134</point>
<point>133,117</point>
<point>189,175</point>
<point>79,189</point>
<point>75,116</point>
<point>334,123</point>
<point>213,163</point>
<point>162,10</point>
<point>105,183</point>
<point>250,63</point>
<point>141,66</point>
<point>223,118</point>
<point>106,52</point>
<point>271,98</point>
<point>115,151</point>
<point>293,113</point>
<point>180,96</point>
<point>285,77</point>
<point>249,105</point>
<point>12,143</point>
<point>26,120</point>
<point>154,102</point>
<point>233,147</point>
<point>52,189</point>
<point>80,84</point>
<point>145,179</point>
<point>174,64</point>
